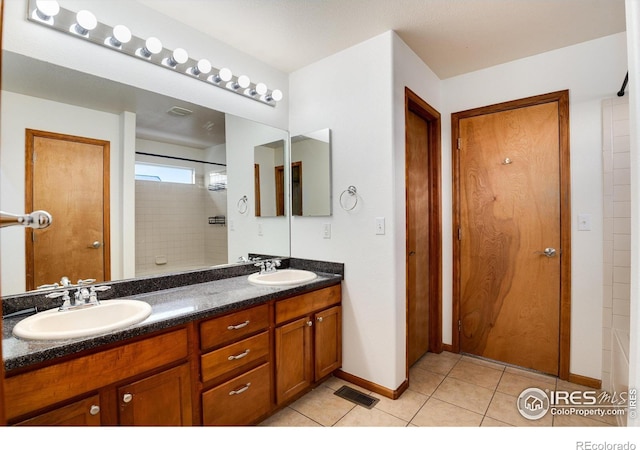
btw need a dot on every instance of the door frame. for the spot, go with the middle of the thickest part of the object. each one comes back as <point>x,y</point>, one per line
<point>30,136</point>
<point>418,106</point>
<point>562,98</point>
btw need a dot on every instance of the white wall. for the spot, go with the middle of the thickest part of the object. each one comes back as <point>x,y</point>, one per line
<point>351,93</point>
<point>20,112</point>
<point>591,71</point>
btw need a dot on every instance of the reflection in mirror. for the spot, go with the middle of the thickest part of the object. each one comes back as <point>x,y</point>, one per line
<point>166,234</point>
<point>311,174</point>
<point>269,179</point>
<point>181,206</point>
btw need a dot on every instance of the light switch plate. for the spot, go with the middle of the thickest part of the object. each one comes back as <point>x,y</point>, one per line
<point>584,222</point>
<point>326,231</point>
<point>380,227</point>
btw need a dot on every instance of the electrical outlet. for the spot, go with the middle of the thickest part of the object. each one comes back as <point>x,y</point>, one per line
<point>380,228</point>
<point>326,231</point>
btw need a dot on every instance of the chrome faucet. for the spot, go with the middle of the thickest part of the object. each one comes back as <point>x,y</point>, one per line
<point>268,266</point>
<point>84,296</point>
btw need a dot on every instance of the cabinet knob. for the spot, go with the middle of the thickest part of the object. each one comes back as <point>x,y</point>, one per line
<point>319,319</point>
<point>127,398</point>
<point>95,409</point>
<point>309,323</point>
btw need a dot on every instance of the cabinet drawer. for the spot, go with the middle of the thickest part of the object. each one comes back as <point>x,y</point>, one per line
<point>236,355</point>
<point>233,326</point>
<point>239,401</point>
<point>301,305</point>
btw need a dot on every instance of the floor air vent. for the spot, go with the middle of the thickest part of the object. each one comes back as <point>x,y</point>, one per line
<point>357,397</point>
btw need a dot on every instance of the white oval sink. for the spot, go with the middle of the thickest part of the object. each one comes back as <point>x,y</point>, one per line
<point>109,315</point>
<point>284,277</point>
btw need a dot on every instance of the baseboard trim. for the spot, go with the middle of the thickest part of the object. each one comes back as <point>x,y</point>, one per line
<point>585,381</point>
<point>448,348</point>
<point>373,387</point>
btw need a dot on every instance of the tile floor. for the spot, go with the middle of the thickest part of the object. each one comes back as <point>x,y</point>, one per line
<point>445,390</point>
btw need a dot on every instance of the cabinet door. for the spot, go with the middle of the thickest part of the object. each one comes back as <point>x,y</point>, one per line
<point>328,341</point>
<point>161,399</point>
<point>83,412</point>
<point>294,366</point>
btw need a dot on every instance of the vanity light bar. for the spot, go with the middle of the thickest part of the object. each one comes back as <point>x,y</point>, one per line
<point>84,25</point>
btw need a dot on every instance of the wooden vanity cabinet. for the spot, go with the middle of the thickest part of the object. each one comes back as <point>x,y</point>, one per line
<point>235,367</point>
<point>308,341</point>
<point>145,368</point>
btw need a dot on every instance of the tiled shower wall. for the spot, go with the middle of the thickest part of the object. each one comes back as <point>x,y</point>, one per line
<point>172,229</point>
<point>617,226</point>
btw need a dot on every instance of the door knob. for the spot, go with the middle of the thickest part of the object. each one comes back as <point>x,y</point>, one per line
<point>96,244</point>
<point>549,252</point>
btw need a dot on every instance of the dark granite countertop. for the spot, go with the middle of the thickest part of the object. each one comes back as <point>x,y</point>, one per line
<point>170,307</point>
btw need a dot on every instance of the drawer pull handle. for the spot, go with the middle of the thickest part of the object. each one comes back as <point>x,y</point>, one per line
<point>95,409</point>
<point>309,323</point>
<point>240,356</point>
<point>241,390</point>
<point>237,327</point>
<point>127,398</point>
<point>319,319</point>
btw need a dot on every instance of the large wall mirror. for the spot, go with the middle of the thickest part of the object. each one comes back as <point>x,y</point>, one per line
<point>311,174</point>
<point>191,166</point>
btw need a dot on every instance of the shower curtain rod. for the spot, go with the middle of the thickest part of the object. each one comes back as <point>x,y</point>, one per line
<point>624,85</point>
<point>180,159</point>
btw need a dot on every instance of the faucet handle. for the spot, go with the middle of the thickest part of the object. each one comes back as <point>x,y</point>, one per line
<point>63,294</point>
<point>100,288</point>
<point>87,281</point>
<point>48,286</point>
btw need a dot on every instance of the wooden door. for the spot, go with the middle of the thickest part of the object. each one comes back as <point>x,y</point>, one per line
<point>67,176</point>
<point>510,212</point>
<point>423,240</point>
<point>296,188</point>
<point>294,363</point>
<point>161,399</point>
<point>279,182</point>
<point>327,341</point>
<point>84,412</point>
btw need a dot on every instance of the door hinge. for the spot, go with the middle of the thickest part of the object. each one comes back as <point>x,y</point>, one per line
<point>459,233</point>
<point>459,325</point>
<point>459,143</point>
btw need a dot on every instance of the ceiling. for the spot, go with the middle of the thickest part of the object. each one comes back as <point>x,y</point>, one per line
<point>451,36</point>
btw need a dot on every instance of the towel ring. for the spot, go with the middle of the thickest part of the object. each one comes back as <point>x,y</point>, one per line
<point>243,204</point>
<point>352,191</point>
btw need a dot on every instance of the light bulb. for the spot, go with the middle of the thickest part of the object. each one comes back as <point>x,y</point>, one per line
<point>276,95</point>
<point>203,66</point>
<point>244,81</point>
<point>46,10</point>
<point>179,56</point>
<point>85,22</point>
<point>152,46</point>
<point>261,88</point>
<point>120,35</point>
